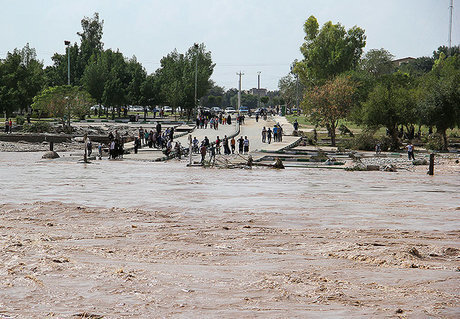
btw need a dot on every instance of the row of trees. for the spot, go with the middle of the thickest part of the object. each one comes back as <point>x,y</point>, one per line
<point>108,76</point>
<point>338,83</point>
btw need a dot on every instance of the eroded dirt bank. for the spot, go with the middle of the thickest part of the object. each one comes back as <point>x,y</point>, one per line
<point>61,260</point>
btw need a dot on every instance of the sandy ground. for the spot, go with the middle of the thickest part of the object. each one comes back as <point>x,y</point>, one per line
<point>67,261</point>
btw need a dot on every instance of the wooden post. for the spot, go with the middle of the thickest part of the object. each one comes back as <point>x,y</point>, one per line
<point>85,139</point>
<point>431,168</point>
<point>190,149</point>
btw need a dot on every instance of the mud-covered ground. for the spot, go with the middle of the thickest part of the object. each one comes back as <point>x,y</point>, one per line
<point>68,261</point>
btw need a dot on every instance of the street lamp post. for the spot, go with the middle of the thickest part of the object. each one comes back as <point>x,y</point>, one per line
<point>67,43</point>
<point>258,89</point>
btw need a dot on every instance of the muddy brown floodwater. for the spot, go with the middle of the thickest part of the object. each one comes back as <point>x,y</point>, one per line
<point>122,239</point>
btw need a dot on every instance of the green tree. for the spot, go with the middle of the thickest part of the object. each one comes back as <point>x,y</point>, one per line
<point>417,67</point>
<point>455,50</point>
<point>248,100</point>
<point>21,78</point>
<point>137,76</point>
<point>288,89</point>
<point>216,91</point>
<point>377,62</point>
<point>328,51</point>
<point>91,38</point>
<point>391,103</point>
<point>94,79</point>
<point>330,102</point>
<point>80,56</point>
<point>150,91</point>
<point>264,99</point>
<point>439,99</point>
<point>177,77</point>
<point>63,102</point>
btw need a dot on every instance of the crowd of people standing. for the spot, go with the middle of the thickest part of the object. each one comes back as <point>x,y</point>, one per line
<point>228,145</point>
<point>8,126</point>
<point>207,118</point>
<point>276,133</point>
<point>155,138</point>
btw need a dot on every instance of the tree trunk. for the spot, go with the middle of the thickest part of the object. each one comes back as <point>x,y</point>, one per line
<point>445,143</point>
<point>394,138</point>
<point>331,128</point>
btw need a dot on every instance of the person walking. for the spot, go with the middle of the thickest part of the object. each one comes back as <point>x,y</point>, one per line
<point>10,124</point>
<point>410,151</point>
<point>99,151</point>
<point>264,135</point>
<point>89,146</point>
<point>7,126</point>
<point>296,125</point>
<point>232,144</point>
<point>269,135</point>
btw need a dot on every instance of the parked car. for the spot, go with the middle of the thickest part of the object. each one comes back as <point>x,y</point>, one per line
<point>230,110</point>
<point>136,108</point>
<point>216,109</point>
<point>244,109</point>
<point>167,108</point>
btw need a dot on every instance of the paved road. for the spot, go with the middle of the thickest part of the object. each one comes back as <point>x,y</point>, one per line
<point>251,129</point>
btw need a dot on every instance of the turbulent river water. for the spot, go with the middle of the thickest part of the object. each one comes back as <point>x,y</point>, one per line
<point>409,200</point>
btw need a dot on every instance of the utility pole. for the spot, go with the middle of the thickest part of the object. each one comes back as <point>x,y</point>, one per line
<point>239,91</point>
<point>258,89</point>
<point>67,43</point>
<point>196,73</point>
<point>451,8</point>
<point>297,92</point>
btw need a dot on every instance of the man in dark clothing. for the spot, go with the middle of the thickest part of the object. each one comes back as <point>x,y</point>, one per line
<point>240,145</point>
<point>158,128</point>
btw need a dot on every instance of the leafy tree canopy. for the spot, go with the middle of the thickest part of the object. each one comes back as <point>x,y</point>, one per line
<point>330,102</point>
<point>328,51</point>
<point>377,62</point>
<point>439,98</point>
<point>63,102</point>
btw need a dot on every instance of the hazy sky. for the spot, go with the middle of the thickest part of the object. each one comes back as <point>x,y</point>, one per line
<point>249,35</point>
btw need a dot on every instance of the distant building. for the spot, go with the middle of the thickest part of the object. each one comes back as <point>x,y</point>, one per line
<point>258,92</point>
<point>398,62</point>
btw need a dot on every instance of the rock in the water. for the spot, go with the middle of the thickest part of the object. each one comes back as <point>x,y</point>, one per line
<point>50,155</point>
<point>390,168</point>
<point>278,163</point>
<point>372,168</point>
<point>414,252</point>
<point>353,166</point>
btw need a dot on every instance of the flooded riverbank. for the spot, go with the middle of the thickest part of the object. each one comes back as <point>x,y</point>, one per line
<point>127,239</point>
<point>405,199</point>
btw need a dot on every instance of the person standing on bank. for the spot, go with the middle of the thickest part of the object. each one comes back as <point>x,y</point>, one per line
<point>240,145</point>
<point>232,144</point>
<point>269,135</point>
<point>246,145</point>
